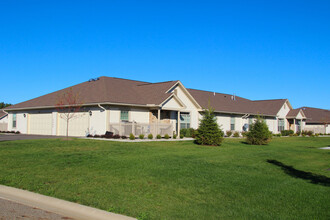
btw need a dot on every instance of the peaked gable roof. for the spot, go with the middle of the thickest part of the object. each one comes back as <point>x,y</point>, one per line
<point>107,90</point>
<point>316,115</point>
<point>293,113</point>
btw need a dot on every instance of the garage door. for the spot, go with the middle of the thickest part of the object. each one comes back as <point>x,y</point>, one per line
<point>40,123</point>
<point>78,126</point>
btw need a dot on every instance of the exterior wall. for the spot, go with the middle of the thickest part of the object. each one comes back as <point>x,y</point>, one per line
<point>190,106</point>
<point>97,121</point>
<point>21,122</point>
<point>4,123</point>
<point>272,124</point>
<point>139,115</point>
<point>317,128</point>
<point>172,104</point>
<point>282,114</point>
<point>224,121</point>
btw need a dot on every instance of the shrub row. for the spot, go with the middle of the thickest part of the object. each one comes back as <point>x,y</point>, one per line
<point>10,132</point>
<point>110,135</point>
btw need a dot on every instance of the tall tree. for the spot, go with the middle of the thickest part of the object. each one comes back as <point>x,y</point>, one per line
<point>4,105</point>
<point>209,132</point>
<point>68,104</point>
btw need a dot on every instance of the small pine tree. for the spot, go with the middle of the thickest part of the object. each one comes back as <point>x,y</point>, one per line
<point>259,133</point>
<point>209,132</point>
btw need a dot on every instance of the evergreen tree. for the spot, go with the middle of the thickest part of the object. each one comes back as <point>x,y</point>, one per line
<point>4,105</point>
<point>209,132</point>
<point>259,133</point>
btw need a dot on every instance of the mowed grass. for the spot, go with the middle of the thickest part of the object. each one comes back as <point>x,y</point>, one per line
<point>287,179</point>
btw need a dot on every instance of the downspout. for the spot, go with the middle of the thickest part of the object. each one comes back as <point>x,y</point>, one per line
<point>99,105</point>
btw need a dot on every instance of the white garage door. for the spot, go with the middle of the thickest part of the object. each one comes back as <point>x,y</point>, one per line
<point>78,126</point>
<point>40,123</point>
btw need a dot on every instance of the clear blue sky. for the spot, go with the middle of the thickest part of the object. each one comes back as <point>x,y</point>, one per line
<point>255,49</point>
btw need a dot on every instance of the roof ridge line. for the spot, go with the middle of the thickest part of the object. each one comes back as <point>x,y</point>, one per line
<point>146,84</point>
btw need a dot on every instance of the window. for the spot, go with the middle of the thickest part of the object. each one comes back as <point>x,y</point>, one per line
<point>185,120</point>
<point>280,125</point>
<point>124,115</point>
<point>232,124</point>
<point>14,121</point>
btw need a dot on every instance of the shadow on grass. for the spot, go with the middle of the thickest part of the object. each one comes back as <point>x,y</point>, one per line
<point>313,178</point>
<point>244,142</point>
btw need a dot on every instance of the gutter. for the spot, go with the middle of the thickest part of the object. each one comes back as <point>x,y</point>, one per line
<point>91,104</point>
<point>242,113</point>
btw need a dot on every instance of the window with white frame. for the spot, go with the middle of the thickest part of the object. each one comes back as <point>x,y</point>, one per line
<point>124,115</point>
<point>232,123</point>
<point>280,124</point>
<point>185,120</point>
<point>14,120</point>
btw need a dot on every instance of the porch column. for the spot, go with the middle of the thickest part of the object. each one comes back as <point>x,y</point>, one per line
<point>301,126</point>
<point>179,124</point>
<point>158,121</point>
<point>294,124</point>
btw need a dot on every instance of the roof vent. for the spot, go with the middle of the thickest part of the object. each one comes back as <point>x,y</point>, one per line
<point>93,79</point>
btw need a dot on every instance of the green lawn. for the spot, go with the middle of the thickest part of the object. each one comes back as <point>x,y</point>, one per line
<point>288,179</point>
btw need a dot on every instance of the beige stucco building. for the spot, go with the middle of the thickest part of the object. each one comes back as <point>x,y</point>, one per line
<point>127,106</point>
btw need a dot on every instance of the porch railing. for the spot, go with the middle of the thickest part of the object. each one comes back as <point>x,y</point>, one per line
<point>126,128</point>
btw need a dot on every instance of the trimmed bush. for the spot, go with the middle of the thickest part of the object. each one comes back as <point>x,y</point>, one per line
<point>236,134</point>
<point>116,136</point>
<point>188,132</point>
<point>229,133</point>
<point>309,133</point>
<point>181,136</point>
<point>244,133</point>
<point>159,136</point>
<point>183,131</point>
<point>287,132</point>
<point>131,137</point>
<point>174,136</point>
<point>141,136</point>
<point>259,133</point>
<point>209,132</point>
<point>123,137</point>
<point>150,136</point>
<point>167,136</point>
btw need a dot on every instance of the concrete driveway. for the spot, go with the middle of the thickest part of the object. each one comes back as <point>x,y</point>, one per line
<point>15,137</point>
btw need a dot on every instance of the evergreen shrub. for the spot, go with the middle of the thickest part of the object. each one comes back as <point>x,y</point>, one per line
<point>259,133</point>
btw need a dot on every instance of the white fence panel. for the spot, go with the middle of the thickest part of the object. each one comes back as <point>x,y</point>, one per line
<point>126,128</point>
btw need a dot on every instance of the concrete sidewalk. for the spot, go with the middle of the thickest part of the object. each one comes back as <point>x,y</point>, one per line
<point>58,206</point>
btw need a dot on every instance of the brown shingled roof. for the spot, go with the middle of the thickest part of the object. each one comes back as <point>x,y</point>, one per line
<point>316,115</point>
<point>2,113</point>
<point>124,91</point>
<point>225,103</point>
<point>107,89</point>
<point>293,113</point>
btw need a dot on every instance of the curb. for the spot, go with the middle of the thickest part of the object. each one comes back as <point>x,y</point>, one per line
<point>58,206</point>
